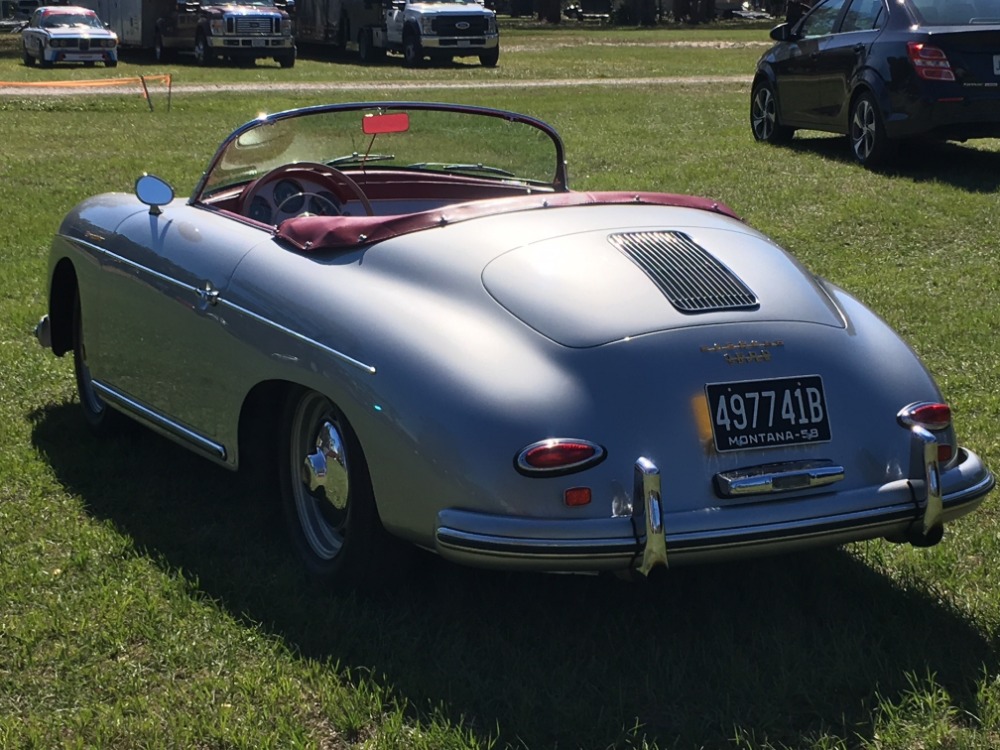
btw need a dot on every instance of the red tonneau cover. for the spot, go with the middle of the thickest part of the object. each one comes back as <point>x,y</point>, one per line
<point>315,233</point>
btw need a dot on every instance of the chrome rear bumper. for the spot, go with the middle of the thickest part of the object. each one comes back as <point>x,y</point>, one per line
<point>652,537</point>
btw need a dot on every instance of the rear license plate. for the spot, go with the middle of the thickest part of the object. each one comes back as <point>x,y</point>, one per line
<point>754,414</point>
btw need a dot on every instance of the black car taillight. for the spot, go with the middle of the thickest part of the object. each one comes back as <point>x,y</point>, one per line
<point>931,63</point>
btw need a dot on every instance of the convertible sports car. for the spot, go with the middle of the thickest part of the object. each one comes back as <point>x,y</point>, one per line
<point>404,312</point>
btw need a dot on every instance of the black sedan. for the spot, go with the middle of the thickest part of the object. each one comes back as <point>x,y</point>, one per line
<point>880,72</point>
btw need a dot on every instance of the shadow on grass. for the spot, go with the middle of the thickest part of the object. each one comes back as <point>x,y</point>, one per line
<point>787,649</point>
<point>960,165</point>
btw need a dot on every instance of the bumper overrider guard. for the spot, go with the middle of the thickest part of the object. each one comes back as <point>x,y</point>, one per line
<point>908,510</point>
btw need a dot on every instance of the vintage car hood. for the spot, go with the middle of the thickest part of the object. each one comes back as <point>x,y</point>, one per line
<point>77,32</point>
<point>594,287</point>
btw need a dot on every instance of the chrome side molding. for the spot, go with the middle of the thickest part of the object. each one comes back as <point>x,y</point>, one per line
<point>780,477</point>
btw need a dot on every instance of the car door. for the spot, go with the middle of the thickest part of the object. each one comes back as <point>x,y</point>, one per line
<point>163,344</point>
<point>841,56</point>
<point>394,17</point>
<point>796,74</point>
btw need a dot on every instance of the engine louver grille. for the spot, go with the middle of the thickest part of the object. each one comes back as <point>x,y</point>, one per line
<point>693,280</point>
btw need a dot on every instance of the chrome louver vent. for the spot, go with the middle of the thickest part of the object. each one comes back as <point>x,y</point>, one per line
<point>250,25</point>
<point>692,279</point>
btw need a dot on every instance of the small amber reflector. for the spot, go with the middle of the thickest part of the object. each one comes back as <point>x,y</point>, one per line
<point>576,496</point>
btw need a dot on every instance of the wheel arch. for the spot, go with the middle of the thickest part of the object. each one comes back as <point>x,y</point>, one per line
<point>62,291</point>
<point>259,429</point>
<point>867,81</point>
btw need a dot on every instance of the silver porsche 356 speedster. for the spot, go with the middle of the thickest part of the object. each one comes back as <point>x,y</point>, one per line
<point>405,309</point>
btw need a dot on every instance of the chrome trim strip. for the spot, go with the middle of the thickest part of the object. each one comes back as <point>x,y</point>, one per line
<point>646,494</point>
<point>779,477</point>
<point>790,531</point>
<point>211,296</point>
<point>132,264</point>
<point>168,425</point>
<point>534,548</point>
<point>370,369</point>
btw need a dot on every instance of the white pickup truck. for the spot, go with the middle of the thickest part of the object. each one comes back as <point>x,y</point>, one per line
<point>440,30</point>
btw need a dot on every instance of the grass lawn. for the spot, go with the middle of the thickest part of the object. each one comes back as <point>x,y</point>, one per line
<point>146,600</point>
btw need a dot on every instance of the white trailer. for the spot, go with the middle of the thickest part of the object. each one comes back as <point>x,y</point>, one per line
<point>133,20</point>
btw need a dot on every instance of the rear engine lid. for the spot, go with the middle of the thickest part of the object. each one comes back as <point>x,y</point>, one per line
<point>595,287</point>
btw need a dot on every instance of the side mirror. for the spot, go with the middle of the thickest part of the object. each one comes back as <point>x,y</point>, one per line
<point>782,33</point>
<point>153,192</point>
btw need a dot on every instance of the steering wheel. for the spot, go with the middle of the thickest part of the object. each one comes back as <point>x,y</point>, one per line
<point>332,177</point>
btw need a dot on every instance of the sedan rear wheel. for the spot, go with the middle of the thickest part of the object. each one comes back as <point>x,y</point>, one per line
<point>326,492</point>
<point>764,116</point>
<point>869,143</point>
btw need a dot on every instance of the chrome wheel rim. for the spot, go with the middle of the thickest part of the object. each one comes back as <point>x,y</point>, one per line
<point>321,483</point>
<point>863,133</point>
<point>763,114</point>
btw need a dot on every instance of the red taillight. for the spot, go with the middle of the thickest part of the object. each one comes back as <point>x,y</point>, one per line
<point>931,416</point>
<point>928,415</point>
<point>931,63</point>
<point>558,456</point>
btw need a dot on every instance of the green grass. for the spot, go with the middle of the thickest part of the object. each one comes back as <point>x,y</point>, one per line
<point>147,600</point>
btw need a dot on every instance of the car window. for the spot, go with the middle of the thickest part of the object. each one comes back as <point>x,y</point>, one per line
<point>863,15</point>
<point>822,19</point>
<point>949,13</point>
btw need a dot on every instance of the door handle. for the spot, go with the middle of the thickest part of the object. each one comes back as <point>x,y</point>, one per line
<point>208,295</point>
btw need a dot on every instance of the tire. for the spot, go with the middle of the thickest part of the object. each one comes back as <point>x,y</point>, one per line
<point>326,492</point>
<point>764,123</point>
<point>203,54</point>
<point>29,61</point>
<point>161,53</point>
<point>287,61</point>
<point>870,145</point>
<point>100,418</point>
<point>367,51</point>
<point>413,52</point>
<point>111,64</point>
<point>490,58</point>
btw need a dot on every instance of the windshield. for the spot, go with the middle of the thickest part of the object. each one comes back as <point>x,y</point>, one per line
<point>70,20</point>
<point>481,143</point>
